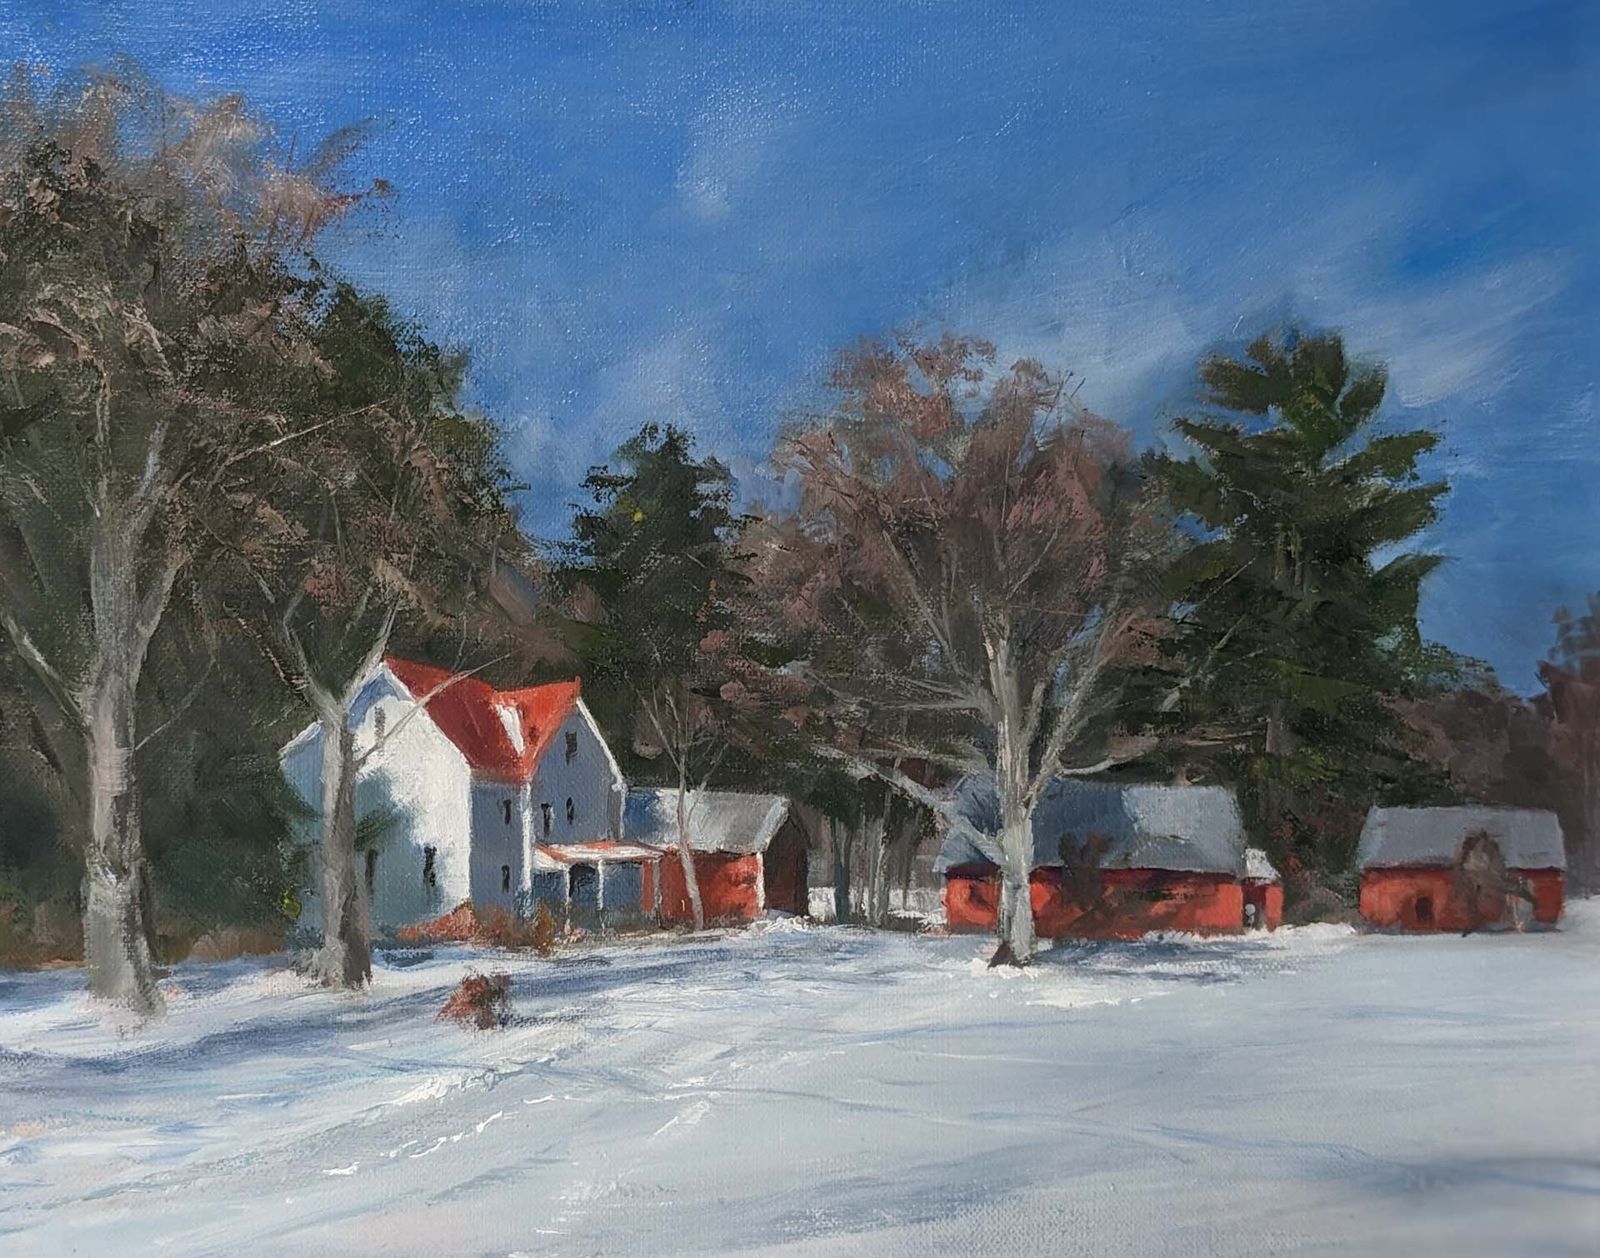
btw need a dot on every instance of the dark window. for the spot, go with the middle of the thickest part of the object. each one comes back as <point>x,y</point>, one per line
<point>505,877</point>
<point>1424,910</point>
<point>571,811</point>
<point>572,745</point>
<point>429,877</point>
<point>372,868</point>
<point>506,808</point>
<point>379,720</point>
<point>549,816</point>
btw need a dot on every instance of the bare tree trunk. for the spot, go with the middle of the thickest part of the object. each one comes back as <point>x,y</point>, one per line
<point>881,879</point>
<point>116,914</point>
<point>691,880</point>
<point>875,903</point>
<point>116,945</point>
<point>839,839</point>
<point>1589,864</point>
<point>1012,747</point>
<point>345,958</point>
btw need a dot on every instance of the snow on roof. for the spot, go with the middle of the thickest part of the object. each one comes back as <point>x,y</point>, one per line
<point>1191,829</point>
<point>554,856</point>
<point>1528,838</point>
<point>1257,868</point>
<point>502,733</point>
<point>719,821</point>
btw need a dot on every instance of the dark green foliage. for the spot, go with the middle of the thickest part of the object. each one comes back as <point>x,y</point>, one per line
<point>1297,618</point>
<point>646,578</point>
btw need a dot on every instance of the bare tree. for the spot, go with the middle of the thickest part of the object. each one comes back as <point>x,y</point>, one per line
<point>974,546</point>
<point>142,287</point>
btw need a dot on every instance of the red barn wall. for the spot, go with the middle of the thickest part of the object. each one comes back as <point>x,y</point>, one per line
<point>730,887</point>
<point>1397,898</point>
<point>1132,902</point>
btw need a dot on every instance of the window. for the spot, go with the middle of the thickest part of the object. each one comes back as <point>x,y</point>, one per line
<point>372,868</point>
<point>429,877</point>
<point>505,877</point>
<point>1424,910</point>
<point>571,812</point>
<point>549,816</point>
<point>505,807</point>
<point>572,745</point>
<point>379,721</point>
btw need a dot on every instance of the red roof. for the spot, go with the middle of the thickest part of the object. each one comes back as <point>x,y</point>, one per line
<point>479,719</point>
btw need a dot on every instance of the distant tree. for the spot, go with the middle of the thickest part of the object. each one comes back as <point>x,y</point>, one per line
<point>647,575</point>
<point>142,240</point>
<point>982,578</point>
<point>1297,619</point>
<point>1572,695</point>
<point>382,520</point>
<point>799,729</point>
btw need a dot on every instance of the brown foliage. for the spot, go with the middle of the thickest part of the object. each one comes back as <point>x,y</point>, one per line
<point>495,928</point>
<point>963,535</point>
<point>459,925</point>
<point>480,1000</point>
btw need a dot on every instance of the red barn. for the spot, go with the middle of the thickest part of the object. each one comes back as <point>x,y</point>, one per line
<point>1263,891</point>
<point>1458,869</point>
<point>749,852</point>
<point>1108,861</point>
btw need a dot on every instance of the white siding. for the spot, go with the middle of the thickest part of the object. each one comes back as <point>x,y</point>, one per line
<point>421,782</point>
<point>497,842</point>
<point>590,779</point>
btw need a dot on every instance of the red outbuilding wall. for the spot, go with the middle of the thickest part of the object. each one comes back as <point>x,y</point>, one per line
<point>730,887</point>
<point>1427,898</point>
<point>1130,903</point>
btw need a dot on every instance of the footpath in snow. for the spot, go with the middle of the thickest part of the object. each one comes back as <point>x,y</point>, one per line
<point>828,1091</point>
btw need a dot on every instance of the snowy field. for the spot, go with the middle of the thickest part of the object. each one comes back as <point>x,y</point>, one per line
<point>824,1092</point>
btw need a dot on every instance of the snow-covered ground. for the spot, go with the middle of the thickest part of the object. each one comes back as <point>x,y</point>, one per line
<point>827,1091</point>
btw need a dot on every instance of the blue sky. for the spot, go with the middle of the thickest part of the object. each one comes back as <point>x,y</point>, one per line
<point>679,211</point>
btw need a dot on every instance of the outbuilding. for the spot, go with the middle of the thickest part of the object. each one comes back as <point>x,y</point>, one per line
<point>749,852</point>
<point>1459,869</point>
<point>1108,861</point>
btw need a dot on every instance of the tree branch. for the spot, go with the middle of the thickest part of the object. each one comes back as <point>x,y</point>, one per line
<point>42,668</point>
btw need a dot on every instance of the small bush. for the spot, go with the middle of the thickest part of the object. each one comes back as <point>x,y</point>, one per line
<point>544,931</point>
<point>460,925</point>
<point>480,1000</point>
<point>495,928</point>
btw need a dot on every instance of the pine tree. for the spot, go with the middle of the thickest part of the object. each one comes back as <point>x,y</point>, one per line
<point>647,572</point>
<point>1297,605</point>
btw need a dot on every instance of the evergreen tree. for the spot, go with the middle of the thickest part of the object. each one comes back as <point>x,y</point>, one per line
<point>646,574</point>
<point>1297,605</point>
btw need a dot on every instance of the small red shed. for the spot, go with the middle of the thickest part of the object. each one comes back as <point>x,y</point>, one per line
<point>1459,869</point>
<point>1109,861</point>
<point>1263,891</point>
<point>749,852</point>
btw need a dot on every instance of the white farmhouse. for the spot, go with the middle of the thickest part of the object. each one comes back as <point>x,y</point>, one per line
<point>468,790</point>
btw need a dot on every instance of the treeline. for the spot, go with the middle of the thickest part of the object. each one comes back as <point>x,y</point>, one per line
<point>230,482</point>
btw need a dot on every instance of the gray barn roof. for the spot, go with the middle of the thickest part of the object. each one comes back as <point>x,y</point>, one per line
<point>719,821</point>
<point>1528,838</point>
<point>1192,829</point>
